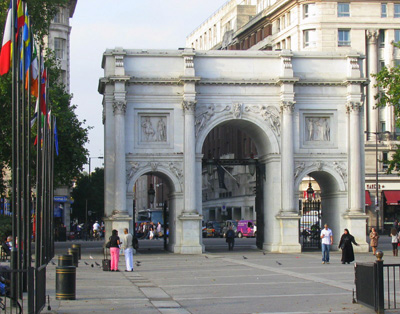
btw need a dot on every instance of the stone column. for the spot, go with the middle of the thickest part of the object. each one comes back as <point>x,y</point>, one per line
<point>119,108</point>
<point>287,158</point>
<point>373,114</point>
<point>189,158</point>
<point>356,173</point>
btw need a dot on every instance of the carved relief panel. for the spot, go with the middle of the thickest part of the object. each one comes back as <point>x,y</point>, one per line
<point>153,129</point>
<point>318,129</point>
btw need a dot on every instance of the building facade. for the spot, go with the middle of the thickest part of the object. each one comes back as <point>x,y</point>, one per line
<point>159,107</point>
<point>366,27</point>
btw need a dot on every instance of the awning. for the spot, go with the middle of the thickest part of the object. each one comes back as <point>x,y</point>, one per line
<point>367,199</point>
<point>392,197</point>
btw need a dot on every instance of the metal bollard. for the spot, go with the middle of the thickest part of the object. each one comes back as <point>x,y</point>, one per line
<point>65,260</point>
<point>77,246</point>
<point>74,253</point>
<point>66,283</point>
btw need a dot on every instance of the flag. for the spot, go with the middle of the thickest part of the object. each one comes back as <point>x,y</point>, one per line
<point>43,84</point>
<point>36,113</point>
<point>34,73</point>
<point>55,136</point>
<point>27,41</point>
<point>221,177</point>
<point>20,15</point>
<point>5,54</point>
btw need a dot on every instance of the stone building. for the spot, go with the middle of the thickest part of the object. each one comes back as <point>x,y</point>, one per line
<point>367,27</point>
<point>159,107</point>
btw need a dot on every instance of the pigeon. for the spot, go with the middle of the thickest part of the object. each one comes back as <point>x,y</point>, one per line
<point>278,263</point>
<point>205,256</point>
<point>90,256</point>
<point>92,265</point>
<point>86,263</point>
<point>97,264</point>
<point>137,264</point>
<point>244,257</point>
<point>264,253</point>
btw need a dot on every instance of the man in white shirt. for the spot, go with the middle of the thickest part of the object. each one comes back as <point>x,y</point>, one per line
<point>96,230</point>
<point>128,249</point>
<point>326,242</point>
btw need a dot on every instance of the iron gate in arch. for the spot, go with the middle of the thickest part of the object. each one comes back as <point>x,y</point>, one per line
<point>310,224</point>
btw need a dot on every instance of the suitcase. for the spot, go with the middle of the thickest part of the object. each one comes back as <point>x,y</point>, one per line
<point>106,263</point>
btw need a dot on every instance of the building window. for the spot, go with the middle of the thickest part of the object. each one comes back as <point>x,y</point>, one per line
<point>384,160</point>
<point>396,62</point>
<point>344,38</point>
<point>383,9</point>
<point>397,35</point>
<point>381,39</point>
<point>343,9</point>
<point>397,10</point>
<point>309,38</point>
<point>308,10</point>
<point>59,18</point>
<point>59,48</point>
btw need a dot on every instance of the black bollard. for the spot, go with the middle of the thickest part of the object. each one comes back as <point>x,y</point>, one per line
<point>74,253</point>
<point>65,282</point>
<point>65,260</point>
<point>77,246</point>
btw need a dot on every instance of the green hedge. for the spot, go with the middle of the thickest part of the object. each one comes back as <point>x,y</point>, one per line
<point>5,227</point>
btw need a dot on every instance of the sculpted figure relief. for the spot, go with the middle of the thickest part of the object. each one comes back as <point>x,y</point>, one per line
<point>161,131</point>
<point>318,129</point>
<point>147,129</point>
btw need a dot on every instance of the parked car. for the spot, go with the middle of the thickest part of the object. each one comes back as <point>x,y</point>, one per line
<point>213,229</point>
<point>246,228</point>
<point>226,225</point>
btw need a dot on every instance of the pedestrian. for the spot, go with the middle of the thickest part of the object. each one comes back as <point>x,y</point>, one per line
<point>374,236</point>
<point>128,249</point>
<point>396,225</point>
<point>395,241</point>
<point>159,234</point>
<point>96,230</point>
<point>114,250</point>
<point>326,242</point>
<point>347,248</point>
<point>230,238</point>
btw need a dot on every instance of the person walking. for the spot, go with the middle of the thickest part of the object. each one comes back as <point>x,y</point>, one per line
<point>347,248</point>
<point>374,236</point>
<point>326,242</point>
<point>395,241</point>
<point>128,249</point>
<point>230,238</point>
<point>114,250</point>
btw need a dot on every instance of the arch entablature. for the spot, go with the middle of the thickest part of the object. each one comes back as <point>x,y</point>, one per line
<point>169,170</point>
<point>261,123</point>
<point>335,170</point>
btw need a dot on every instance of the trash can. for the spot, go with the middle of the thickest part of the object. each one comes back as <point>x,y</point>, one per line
<point>74,253</point>
<point>66,283</point>
<point>65,260</point>
<point>77,246</point>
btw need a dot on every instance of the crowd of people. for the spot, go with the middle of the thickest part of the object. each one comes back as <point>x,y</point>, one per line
<point>149,230</point>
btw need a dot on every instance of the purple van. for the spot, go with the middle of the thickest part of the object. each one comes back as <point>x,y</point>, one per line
<point>246,228</point>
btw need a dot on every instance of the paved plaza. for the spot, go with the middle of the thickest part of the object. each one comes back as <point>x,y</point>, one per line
<point>243,281</point>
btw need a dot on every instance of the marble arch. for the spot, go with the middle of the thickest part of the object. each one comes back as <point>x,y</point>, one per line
<point>304,110</point>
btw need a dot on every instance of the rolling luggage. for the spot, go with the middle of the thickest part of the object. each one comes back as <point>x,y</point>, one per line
<point>106,263</point>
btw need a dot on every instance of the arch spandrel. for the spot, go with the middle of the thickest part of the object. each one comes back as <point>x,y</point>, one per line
<point>333,172</point>
<point>168,170</point>
<point>260,122</point>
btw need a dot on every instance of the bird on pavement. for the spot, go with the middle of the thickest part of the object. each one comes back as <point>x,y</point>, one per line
<point>86,263</point>
<point>137,264</point>
<point>92,265</point>
<point>244,257</point>
<point>205,256</point>
<point>278,263</point>
<point>97,264</point>
<point>264,253</point>
<point>90,256</point>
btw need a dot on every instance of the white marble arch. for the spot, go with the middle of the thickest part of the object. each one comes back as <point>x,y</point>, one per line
<point>252,124</point>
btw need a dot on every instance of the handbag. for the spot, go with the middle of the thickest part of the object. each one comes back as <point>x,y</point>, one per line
<point>108,244</point>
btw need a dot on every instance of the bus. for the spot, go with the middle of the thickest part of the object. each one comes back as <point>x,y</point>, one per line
<point>154,215</point>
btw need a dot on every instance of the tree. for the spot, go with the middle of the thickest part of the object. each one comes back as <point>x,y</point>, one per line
<point>388,84</point>
<point>90,194</point>
<point>72,134</point>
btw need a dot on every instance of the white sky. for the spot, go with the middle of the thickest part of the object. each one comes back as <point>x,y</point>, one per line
<point>131,24</point>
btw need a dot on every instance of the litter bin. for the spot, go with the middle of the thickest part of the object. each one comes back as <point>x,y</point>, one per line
<point>74,253</point>
<point>65,282</point>
<point>65,260</point>
<point>77,246</point>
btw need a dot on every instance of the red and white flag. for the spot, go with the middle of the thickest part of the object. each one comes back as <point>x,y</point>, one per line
<point>5,54</point>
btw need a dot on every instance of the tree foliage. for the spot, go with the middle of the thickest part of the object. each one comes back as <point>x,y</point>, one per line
<point>72,134</point>
<point>388,84</point>
<point>90,194</point>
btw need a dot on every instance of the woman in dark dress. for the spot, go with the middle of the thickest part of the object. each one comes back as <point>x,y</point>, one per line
<point>347,248</point>
<point>114,250</point>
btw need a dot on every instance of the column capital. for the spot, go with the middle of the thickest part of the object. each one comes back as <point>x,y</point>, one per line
<point>287,106</point>
<point>119,107</point>
<point>372,36</point>
<point>189,106</point>
<point>354,106</point>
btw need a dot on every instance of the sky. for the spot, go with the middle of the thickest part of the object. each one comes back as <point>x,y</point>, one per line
<point>98,25</point>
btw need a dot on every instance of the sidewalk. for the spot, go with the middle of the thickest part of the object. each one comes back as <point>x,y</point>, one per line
<point>242,281</point>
